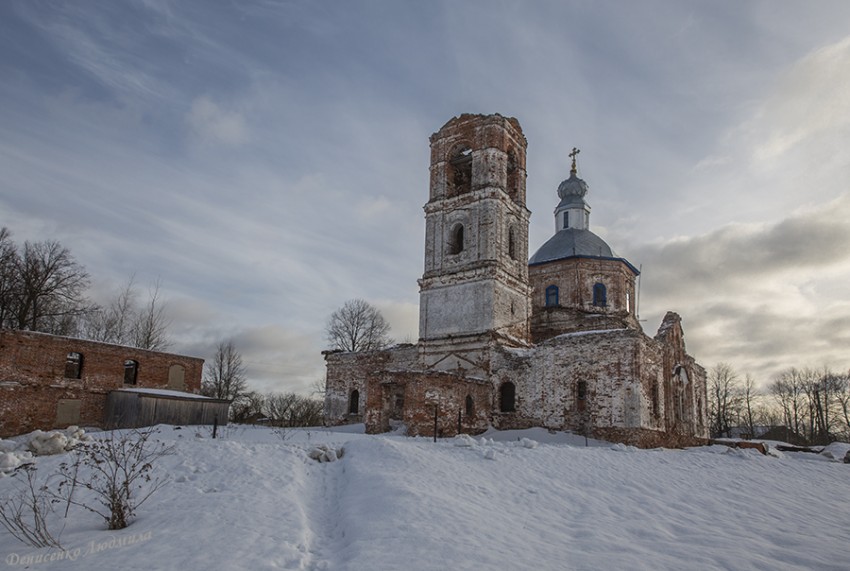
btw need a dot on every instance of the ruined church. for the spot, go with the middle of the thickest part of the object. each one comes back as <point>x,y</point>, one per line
<point>509,341</point>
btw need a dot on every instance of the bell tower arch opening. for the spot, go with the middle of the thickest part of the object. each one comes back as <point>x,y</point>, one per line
<point>459,179</point>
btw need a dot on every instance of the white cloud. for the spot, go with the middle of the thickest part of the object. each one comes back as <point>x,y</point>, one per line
<point>211,124</point>
<point>813,98</point>
<point>760,296</point>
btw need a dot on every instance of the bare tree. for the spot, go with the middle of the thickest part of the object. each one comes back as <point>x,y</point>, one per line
<point>789,392</point>
<point>748,398</point>
<point>319,387</point>
<point>290,409</point>
<point>124,322</point>
<point>47,290</point>
<point>823,389</point>
<point>151,324</point>
<point>248,407</point>
<point>9,278</point>
<point>357,326</point>
<point>224,376</point>
<point>278,407</point>
<point>114,322</point>
<point>842,398</point>
<point>723,399</point>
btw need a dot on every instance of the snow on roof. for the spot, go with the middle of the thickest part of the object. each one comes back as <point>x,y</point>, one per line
<point>165,393</point>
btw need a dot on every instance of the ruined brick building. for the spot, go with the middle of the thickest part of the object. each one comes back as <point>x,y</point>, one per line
<point>48,381</point>
<point>511,342</point>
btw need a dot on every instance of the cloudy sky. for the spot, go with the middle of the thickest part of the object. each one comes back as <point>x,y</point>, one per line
<point>268,160</point>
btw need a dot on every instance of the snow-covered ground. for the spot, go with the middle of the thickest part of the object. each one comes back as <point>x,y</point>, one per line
<point>254,499</point>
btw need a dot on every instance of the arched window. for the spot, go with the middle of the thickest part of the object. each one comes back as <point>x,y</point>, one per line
<point>456,239</point>
<point>460,170</point>
<point>131,371</point>
<point>507,397</point>
<point>470,407</point>
<point>567,219</point>
<point>177,377</point>
<point>551,296</point>
<point>511,243</point>
<point>354,402</point>
<point>513,178</point>
<point>74,365</point>
<point>581,394</point>
<point>600,295</point>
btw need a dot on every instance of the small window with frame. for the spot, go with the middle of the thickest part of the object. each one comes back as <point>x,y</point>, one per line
<point>600,295</point>
<point>552,296</point>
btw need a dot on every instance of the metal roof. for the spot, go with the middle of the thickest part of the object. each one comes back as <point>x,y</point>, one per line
<point>574,243</point>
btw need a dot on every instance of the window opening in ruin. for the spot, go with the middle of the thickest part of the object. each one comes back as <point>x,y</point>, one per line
<point>581,394</point>
<point>74,365</point>
<point>628,302</point>
<point>566,219</point>
<point>460,171</point>
<point>507,397</point>
<point>354,402</point>
<point>551,296</point>
<point>470,407</point>
<point>654,395</point>
<point>600,295</point>
<point>131,371</point>
<point>511,243</point>
<point>456,240</point>
<point>513,175</point>
<point>680,402</point>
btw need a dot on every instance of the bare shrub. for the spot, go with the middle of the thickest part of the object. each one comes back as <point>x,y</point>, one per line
<point>24,514</point>
<point>119,475</point>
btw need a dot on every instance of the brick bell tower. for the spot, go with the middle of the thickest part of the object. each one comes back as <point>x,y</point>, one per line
<point>475,290</point>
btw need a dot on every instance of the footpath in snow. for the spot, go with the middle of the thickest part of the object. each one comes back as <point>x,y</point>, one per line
<point>254,499</point>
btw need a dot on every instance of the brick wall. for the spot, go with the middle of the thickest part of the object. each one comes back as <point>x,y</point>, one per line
<point>575,278</point>
<point>33,379</point>
<point>619,371</point>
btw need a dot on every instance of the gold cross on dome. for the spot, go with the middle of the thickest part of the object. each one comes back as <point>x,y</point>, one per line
<point>573,157</point>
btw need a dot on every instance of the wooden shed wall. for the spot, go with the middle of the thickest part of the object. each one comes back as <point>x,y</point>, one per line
<point>132,410</point>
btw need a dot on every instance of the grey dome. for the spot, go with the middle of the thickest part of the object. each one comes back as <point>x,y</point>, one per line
<point>572,187</point>
<point>569,243</point>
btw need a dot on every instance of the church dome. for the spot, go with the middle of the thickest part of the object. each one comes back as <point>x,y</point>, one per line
<point>572,187</point>
<point>572,192</point>
<point>569,243</point>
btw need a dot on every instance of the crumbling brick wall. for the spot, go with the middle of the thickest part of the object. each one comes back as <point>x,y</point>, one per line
<point>349,372</point>
<point>619,370</point>
<point>548,378</point>
<point>34,389</point>
<point>575,278</point>
<point>460,404</point>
